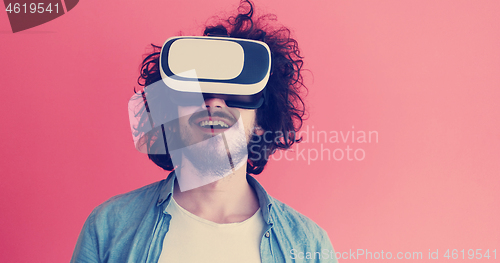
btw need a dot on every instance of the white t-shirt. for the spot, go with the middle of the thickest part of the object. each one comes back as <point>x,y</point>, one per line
<point>192,239</point>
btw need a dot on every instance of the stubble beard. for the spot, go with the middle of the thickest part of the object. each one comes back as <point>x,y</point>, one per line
<point>211,156</point>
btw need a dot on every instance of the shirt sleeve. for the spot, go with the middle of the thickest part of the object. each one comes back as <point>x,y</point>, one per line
<point>86,250</point>
<point>327,251</point>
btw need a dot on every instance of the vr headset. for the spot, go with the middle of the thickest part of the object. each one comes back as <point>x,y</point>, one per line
<point>232,69</point>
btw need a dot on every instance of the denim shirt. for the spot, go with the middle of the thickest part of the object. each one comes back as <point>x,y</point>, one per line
<point>131,228</point>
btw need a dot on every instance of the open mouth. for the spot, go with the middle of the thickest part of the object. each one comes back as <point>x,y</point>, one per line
<point>217,124</point>
<point>214,122</point>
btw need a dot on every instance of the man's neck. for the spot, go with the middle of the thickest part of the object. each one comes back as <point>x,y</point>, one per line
<point>228,200</point>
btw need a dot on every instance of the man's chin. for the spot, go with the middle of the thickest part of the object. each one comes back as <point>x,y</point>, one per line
<point>212,154</point>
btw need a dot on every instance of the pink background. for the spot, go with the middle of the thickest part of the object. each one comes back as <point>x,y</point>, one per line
<point>424,74</point>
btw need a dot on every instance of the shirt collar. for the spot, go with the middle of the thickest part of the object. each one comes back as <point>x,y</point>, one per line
<point>167,190</point>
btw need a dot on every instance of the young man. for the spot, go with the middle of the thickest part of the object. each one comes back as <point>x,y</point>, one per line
<point>212,133</point>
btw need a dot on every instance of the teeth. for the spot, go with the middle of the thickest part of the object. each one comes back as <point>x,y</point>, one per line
<point>214,123</point>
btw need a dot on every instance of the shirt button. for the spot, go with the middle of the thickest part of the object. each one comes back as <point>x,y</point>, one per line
<point>267,234</point>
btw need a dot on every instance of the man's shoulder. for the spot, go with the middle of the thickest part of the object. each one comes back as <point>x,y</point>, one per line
<point>138,195</point>
<point>127,205</point>
<point>295,223</point>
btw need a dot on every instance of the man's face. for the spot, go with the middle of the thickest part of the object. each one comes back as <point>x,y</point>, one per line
<point>214,132</point>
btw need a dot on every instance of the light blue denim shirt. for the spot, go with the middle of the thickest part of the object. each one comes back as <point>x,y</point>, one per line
<point>131,228</point>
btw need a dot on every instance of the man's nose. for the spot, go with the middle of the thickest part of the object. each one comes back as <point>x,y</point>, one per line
<point>215,103</point>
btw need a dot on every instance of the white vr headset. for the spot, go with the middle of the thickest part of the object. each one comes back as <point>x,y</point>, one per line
<point>233,69</point>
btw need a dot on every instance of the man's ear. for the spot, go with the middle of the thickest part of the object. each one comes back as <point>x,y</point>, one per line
<point>258,130</point>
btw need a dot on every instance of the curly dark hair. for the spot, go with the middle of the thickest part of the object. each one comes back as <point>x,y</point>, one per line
<point>281,115</point>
